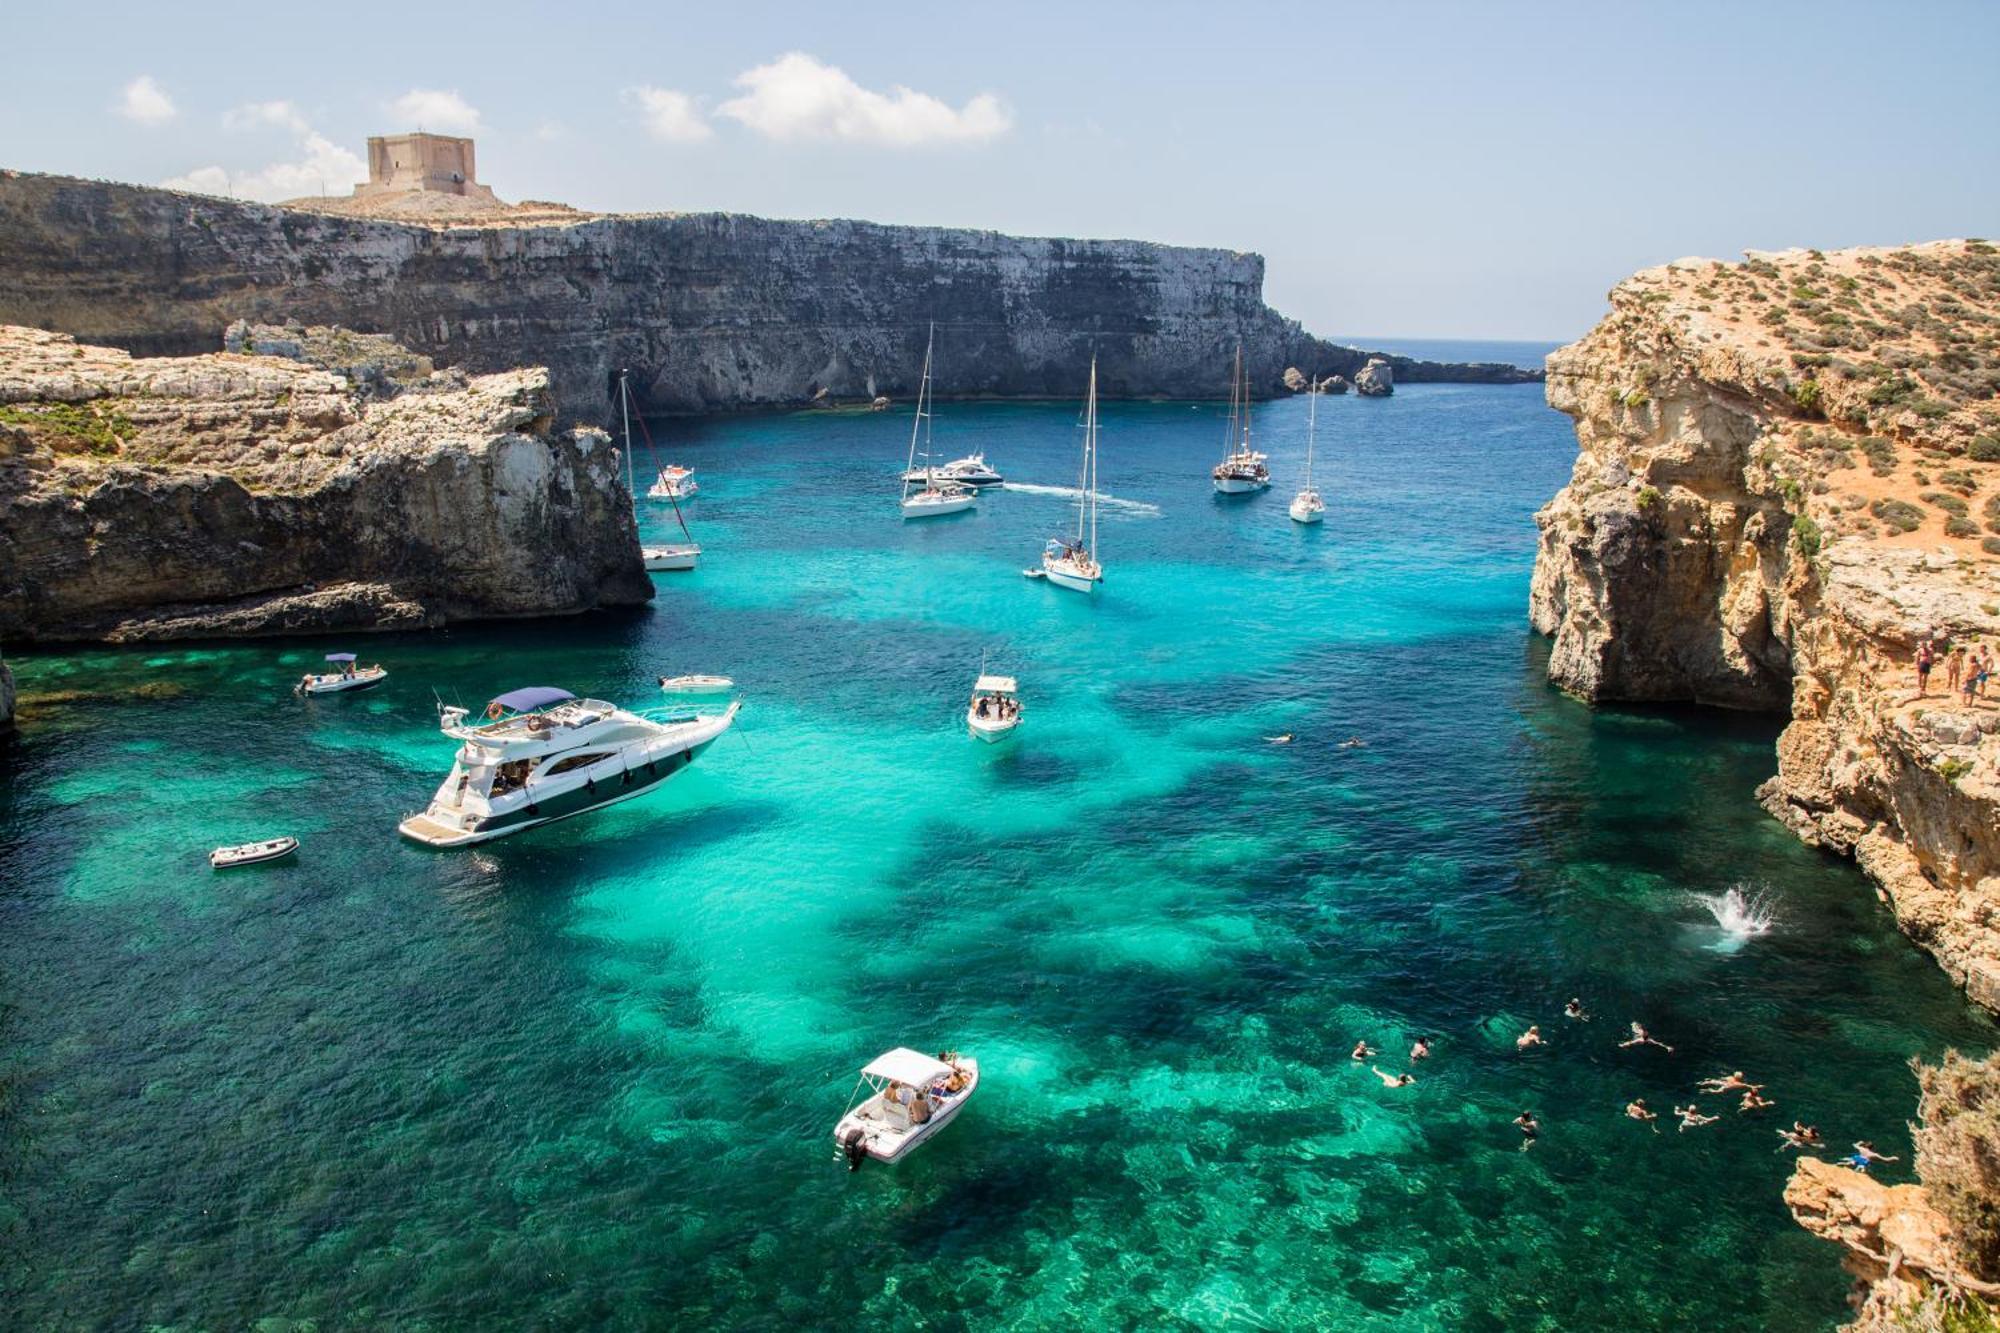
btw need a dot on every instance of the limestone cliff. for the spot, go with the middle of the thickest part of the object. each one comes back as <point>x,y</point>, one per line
<point>1785,467</point>
<point>247,494</point>
<point>709,310</point>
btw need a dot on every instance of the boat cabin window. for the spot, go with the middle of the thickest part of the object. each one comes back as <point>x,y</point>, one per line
<point>574,762</point>
<point>511,777</point>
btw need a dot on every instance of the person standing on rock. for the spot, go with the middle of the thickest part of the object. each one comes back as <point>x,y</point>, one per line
<point>1926,659</point>
<point>1954,669</point>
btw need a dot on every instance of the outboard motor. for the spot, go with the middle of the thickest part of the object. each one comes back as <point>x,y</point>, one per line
<point>852,1146</point>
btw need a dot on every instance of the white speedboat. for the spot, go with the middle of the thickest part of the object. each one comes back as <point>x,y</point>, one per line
<point>697,684</point>
<point>681,555</point>
<point>675,484</point>
<point>1242,468</point>
<point>938,493</point>
<point>1071,562</point>
<point>903,1097</point>
<point>542,754</point>
<point>1306,506</point>
<point>253,853</point>
<point>995,708</point>
<point>344,676</point>
<point>970,470</point>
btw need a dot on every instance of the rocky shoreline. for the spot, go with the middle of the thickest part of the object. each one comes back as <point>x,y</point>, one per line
<point>315,481</point>
<point>710,311</point>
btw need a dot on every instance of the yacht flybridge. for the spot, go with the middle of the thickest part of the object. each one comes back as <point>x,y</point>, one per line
<point>927,492</point>
<point>1242,468</point>
<point>542,754</point>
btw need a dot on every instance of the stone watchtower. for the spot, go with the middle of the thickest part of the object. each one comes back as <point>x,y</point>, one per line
<point>403,163</point>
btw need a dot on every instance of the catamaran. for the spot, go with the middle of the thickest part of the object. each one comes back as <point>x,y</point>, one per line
<point>663,555</point>
<point>1307,507</point>
<point>343,677</point>
<point>1071,562</point>
<point>939,494</point>
<point>542,754</point>
<point>902,1098</point>
<point>1242,468</point>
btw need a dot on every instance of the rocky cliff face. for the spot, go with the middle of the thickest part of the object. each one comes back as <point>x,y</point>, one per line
<point>247,494</point>
<point>1785,474</point>
<point>708,310</point>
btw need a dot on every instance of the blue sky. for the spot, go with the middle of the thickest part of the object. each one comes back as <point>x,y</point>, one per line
<point>1448,170</point>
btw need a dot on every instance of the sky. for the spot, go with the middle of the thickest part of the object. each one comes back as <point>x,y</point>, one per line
<point>1450,170</point>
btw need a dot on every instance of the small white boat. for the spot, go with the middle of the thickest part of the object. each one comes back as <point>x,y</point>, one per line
<point>1242,468</point>
<point>697,684</point>
<point>903,1097</point>
<point>252,853</point>
<point>681,555</point>
<point>940,494</point>
<point>1306,506</point>
<point>970,470</point>
<point>345,676</point>
<point>995,709</point>
<point>673,483</point>
<point>1071,562</point>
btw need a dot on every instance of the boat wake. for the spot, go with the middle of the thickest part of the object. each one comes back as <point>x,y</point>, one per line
<point>1138,507</point>
<point>1743,912</point>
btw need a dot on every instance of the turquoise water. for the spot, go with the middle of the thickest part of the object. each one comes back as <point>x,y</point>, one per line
<point>585,1077</point>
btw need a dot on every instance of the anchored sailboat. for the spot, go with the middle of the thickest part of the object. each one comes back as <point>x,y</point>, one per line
<point>1242,468</point>
<point>1307,507</point>
<point>670,555</point>
<point>1072,562</point>
<point>938,494</point>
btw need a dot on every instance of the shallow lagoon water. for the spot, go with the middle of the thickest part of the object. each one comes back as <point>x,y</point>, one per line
<point>585,1077</point>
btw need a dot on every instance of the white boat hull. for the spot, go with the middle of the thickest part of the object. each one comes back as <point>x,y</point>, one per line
<point>659,558</point>
<point>1065,575</point>
<point>918,506</point>
<point>886,1143</point>
<point>252,853</point>
<point>697,684</point>
<point>990,729</point>
<point>1239,485</point>
<point>360,680</point>
<point>1306,510</point>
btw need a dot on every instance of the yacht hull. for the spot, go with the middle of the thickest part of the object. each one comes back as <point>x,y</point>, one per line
<point>1239,485</point>
<point>1064,578</point>
<point>660,558</point>
<point>935,508</point>
<point>1307,513</point>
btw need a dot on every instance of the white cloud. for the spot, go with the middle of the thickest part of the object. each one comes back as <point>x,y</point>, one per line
<point>144,102</point>
<point>257,115</point>
<point>435,110</point>
<point>320,165</point>
<point>798,97</point>
<point>551,131</point>
<point>670,116</point>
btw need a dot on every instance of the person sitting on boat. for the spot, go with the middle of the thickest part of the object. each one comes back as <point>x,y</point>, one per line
<point>347,670</point>
<point>920,1107</point>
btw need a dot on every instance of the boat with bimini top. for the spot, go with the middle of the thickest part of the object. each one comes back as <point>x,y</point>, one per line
<point>995,708</point>
<point>344,676</point>
<point>902,1098</point>
<point>542,754</point>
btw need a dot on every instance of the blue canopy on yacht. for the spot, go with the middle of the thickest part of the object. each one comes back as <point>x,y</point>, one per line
<point>534,696</point>
<point>340,657</point>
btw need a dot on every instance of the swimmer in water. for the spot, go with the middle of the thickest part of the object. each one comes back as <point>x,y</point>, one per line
<point>1574,1009</point>
<point>1285,739</point>
<point>1531,1129</point>
<point>1691,1116</point>
<point>1641,1037</point>
<point>1354,743</point>
<point>1532,1037</point>
<point>1420,1049</point>
<point>1636,1110</point>
<point>1791,1138</point>
<point>1394,1080</point>
<point>1730,1084</point>
<point>1362,1050</point>
<point>1754,1100</point>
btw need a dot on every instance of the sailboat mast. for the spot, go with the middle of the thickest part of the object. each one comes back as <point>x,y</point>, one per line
<point>1244,375</point>
<point>1312,421</point>
<point>917,425</point>
<point>1090,447</point>
<point>625,415</point>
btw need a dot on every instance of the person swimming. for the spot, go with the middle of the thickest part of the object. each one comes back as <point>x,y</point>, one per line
<point>1420,1049</point>
<point>1285,739</point>
<point>1354,743</point>
<point>1641,1037</point>
<point>1362,1050</point>
<point>1394,1080</point>
<point>1532,1037</point>
<point>1636,1110</point>
<point>1734,1082</point>
<point>1754,1100</point>
<point>1574,1009</point>
<point>1531,1129</point>
<point>1691,1116</point>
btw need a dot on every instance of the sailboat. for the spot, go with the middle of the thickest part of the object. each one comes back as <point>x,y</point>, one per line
<point>1072,562</point>
<point>1242,468</point>
<point>665,556</point>
<point>938,494</point>
<point>1307,507</point>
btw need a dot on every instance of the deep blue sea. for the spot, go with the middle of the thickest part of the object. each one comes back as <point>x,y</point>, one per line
<point>585,1078</point>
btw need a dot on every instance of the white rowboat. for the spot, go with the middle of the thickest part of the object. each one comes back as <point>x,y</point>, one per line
<point>252,853</point>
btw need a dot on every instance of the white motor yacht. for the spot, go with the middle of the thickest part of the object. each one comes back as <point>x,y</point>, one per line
<point>542,754</point>
<point>970,470</point>
<point>903,1097</point>
<point>995,708</point>
<point>253,853</point>
<point>1242,468</point>
<point>697,684</point>
<point>343,677</point>
<point>674,483</point>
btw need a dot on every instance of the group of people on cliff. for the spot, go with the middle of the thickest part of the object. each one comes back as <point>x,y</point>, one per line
<point>1965,673</point>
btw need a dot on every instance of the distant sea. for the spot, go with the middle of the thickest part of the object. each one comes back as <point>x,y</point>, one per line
<point>1527,354</point>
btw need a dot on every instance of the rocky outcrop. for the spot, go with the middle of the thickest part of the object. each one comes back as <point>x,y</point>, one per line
<point>1333,384</point>
<point>1376,379</point>
<point>709,310</point>
<point>1897,1245</point>
<point>252,494</point>
<point>1770,510</point>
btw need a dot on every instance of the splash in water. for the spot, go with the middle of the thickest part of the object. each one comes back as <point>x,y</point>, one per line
<point>1104,501</point>
<point>1743,912</point>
